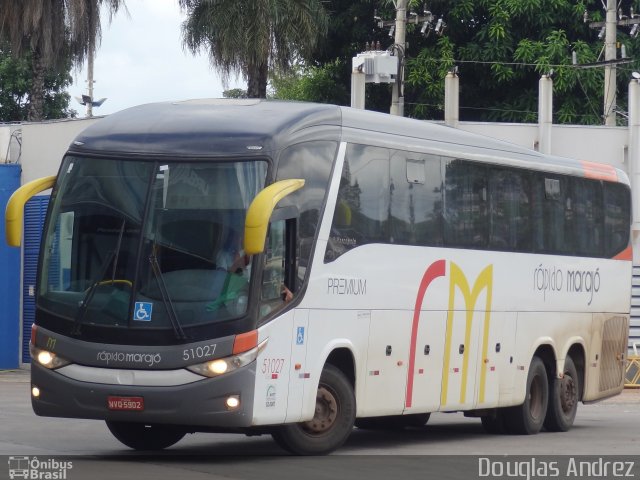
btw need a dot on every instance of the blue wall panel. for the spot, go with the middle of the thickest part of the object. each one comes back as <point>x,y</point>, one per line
<point>34,214</point>
<point>9,276</point>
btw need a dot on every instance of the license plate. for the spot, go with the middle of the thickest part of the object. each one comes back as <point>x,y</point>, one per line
<point>125,403</point>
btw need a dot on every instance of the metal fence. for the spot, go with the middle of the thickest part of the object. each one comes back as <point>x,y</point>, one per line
<point>632,371</point>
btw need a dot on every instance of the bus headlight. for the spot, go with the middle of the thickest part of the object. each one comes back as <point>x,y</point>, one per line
<point>220,366</point>
<point>46,358</point>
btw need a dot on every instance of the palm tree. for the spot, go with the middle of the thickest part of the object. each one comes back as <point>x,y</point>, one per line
<point>52,31</point>
<point>250,37</point>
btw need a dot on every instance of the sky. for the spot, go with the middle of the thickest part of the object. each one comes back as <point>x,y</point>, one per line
<point>141,60</point>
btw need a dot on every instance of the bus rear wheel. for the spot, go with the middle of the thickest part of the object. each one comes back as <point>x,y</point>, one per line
<point>332,422</point>
<point>564,395</point>
<point>145,437</point>
<point>528,418</point>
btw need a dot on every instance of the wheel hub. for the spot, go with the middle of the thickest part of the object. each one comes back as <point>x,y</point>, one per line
<point>325,414</point>
<point>568,393</point>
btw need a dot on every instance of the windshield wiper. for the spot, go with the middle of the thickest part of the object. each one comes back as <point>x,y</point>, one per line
<point>88,296</point>
<point>173,317</point>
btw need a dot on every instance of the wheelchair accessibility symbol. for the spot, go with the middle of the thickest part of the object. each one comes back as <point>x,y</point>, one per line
<point>142,311</point>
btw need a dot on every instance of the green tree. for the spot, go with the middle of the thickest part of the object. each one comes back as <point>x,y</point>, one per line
<point>51,32</point>
<point>253,36</point>
<point>351,28</point>
<point>322,84</point>
<point>500,49</point>
<point>235,93</point>
<point>15,82</point>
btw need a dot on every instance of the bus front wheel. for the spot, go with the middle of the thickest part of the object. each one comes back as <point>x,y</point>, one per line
<point>564,394</point>
<point>528,418</point>
<point>332,422</point>
<point>145,437</point>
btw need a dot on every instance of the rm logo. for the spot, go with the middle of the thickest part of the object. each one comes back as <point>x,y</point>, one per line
<point>458,282</point>
<point>51,343</point>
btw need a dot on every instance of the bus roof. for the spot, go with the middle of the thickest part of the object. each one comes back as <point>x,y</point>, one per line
<point>207,127</point>
<point>219,127</point>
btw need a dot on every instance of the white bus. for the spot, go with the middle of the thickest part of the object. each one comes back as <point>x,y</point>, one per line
<point>298,269</point>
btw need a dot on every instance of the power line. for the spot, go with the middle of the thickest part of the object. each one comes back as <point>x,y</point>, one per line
<point>583,66</point>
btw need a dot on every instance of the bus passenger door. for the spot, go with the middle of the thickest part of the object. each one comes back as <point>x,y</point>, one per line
<point>298,368</point>
<point>387,360</point>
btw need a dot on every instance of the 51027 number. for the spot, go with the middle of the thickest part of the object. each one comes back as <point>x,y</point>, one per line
<point>272,365</point>
<point>203,351</point>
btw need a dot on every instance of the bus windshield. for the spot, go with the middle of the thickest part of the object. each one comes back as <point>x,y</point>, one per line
<point>147,245</point>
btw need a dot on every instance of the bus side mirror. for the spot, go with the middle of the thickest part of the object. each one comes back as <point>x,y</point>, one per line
<point>14,213</point>
<point>260,210</point>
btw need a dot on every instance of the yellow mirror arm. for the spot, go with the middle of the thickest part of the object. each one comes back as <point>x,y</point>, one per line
<point>260,210</point>
<point>14,214</point>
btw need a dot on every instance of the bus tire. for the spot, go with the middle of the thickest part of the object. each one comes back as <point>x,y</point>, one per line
<point>140,436</point>
<point>528,418</point>
<point>332,423</point>
<point>393,422</point>
<point>494,423</point>
<point>564,395</point>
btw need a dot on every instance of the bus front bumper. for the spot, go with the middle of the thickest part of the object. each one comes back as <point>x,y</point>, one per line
<point>201,403</point>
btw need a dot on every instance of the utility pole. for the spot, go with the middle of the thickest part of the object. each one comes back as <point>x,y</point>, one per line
<point>610,53</point>
<point>87,99</point>
<point>608,30</point>
<point>397,93</point>
<point>90,81</point>
<point>399,26</point>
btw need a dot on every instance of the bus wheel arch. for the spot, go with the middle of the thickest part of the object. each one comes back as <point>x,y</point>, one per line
<point>565,392</point>
<point>342,358</point>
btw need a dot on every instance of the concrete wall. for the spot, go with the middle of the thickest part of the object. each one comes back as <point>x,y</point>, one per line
<point>44,144</point>
<point>592,143</point>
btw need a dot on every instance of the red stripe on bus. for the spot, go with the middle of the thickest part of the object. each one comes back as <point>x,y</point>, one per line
<point>626,254</point>
<point>435,270</point>
<point>599,171</point>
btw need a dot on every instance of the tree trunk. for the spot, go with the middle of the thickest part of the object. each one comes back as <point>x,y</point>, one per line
<point>257,76</point>
<point>36,95</point>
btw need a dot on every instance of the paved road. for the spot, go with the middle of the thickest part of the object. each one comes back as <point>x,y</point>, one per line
<point>608,428</point>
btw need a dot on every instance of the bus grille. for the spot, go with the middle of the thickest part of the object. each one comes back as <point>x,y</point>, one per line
<point>614,346</point>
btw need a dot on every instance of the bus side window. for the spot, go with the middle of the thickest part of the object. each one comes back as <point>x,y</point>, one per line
<point>509,210</point>
<point>415,199</point>
<point>465,204</point>
<point>362,208</point>
<point>617,214</point>
<point>588,218</point>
